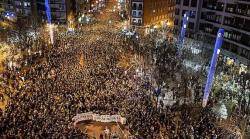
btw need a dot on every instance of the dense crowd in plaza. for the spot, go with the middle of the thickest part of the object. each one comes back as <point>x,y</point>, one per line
<point>80,73</point>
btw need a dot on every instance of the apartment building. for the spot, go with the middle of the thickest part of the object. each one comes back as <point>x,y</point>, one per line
<point>2,5</point>
<point>58,10</point>
<point>22,8</point>
<point>193,6</point>
<point>61,10</point>
<point>151,12</point>
<point>207,16</point>
<point>6,5</point>
<point>234,17</point>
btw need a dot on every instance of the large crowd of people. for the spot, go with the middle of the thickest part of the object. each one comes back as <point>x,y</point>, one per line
<point>80,73</point>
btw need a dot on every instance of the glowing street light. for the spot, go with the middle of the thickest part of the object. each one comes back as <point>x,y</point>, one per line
<point>212,69</point>
<point>48,13</point>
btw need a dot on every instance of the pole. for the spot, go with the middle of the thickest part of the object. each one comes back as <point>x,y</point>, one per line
<point>212,69</point>
<point>48,13</point>
<point>183,29</point>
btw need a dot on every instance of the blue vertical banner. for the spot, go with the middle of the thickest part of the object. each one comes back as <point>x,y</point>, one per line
<point>48,12</point>
<point>212,68</point>
<point>183,28</point>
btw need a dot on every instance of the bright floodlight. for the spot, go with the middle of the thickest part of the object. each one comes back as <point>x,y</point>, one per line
<point>48,13</point>
<point>184,28</point>
<point>210,76</point>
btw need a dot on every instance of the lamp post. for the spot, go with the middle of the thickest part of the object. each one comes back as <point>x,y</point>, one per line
<point>48,13</point>
<point>213,63</point>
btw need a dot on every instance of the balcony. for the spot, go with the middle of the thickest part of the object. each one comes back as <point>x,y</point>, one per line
<point>238,9</point>
<point>230,42</point>
<point>137,21</point>
<point>136,13</point>
<point>211,17</point>
<point>243,10</point>
<point>237,23</point>
<point>237,37</point>
<point>137,6</point>
<point>217,6</point>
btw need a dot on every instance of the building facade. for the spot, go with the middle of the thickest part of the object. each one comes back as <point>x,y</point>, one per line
<point>151,12</point>
<point>58,10</point>
<point>89,6</point>
<point>2,5</point>
<point>193,6</point>
<point>22,8</point>
<point>207,16</point>
<point>8,5</point>
<point>35,9</point>
<point>234,17</point>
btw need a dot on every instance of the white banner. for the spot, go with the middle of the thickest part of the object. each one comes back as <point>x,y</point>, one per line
<point>98,118</point>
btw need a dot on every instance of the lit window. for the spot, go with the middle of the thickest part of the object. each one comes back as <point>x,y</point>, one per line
<point>140,14</point>
<point>26,4</point>
<point>139,21</point>
<point>134,13</point>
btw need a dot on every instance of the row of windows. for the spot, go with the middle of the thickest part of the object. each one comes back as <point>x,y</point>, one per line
<point>236,49</point>
<point>227,45</point>
<point>192,3</point>
<point>54,15</point>
<point>229,34</point>
<point>58,15</point>
<point>236,22</point>
<point>190,24</point>
<point>1,5</point>
<point>241,9</point>
<point>20,3</point>
<point>161,17</point>
<point>54,7</point>
<point>209,28</point>
<point>137,6</point>
<point>192,13</point>
<point>136,13</point>
<point>58,6</point>
<point>161,10</point>
<point>211,16</point>
<point>137,21</point>
<point>23,12</point>
<point>213,5</point>
<point>162,3</point>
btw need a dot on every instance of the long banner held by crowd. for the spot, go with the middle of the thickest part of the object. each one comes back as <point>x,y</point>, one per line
<point>99,118</point>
